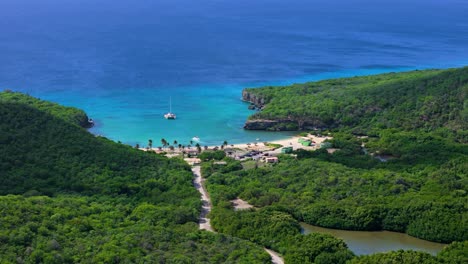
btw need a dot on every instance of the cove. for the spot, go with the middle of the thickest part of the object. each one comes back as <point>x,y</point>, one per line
<point>370,242</point>
<point>121,62</point>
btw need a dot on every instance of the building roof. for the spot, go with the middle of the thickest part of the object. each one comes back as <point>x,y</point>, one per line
<point>271,159</point>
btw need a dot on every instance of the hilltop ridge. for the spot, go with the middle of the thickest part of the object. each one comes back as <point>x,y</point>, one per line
<point>426,100</point>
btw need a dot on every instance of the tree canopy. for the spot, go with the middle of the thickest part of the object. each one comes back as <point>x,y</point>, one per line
<point>425,100</point>
<point>67,196</point>
<point>400,164</point>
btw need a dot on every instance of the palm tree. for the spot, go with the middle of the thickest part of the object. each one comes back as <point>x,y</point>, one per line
<point>180,146</point>
<point>191,142</point>
<point>175,142</point>
<point>198,147</point>
<point>205,147</point>
<point>137,146</point>
<point>225,143</point>
<point>150,143</point>
<point>164,142</point>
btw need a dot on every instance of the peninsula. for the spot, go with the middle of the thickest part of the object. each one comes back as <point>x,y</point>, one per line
<point>425,99</point>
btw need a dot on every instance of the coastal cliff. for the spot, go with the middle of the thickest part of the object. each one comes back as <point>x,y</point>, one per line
<point>84,121</point>
<point>270,125</point>
<point>253,98</point>
<point>291,123</point>
<point>257,102</point>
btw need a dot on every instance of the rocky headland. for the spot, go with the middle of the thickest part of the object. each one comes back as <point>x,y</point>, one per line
<point>254,99</point>
<point>290,123</point>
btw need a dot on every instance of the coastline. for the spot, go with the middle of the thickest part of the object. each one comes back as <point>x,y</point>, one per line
<point>291,141</point>
<point>138,125</point>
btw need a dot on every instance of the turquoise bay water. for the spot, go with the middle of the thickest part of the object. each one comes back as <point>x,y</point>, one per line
<point>120,61</point>
<point>214,113</point>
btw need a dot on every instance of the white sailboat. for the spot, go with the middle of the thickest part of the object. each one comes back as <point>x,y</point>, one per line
<point>170,115</point>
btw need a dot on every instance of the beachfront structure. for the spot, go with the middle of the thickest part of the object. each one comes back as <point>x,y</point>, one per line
<point>229,151</point>
<point>271,159</point>
<point>304,141</point>
<point>287,150</point>
<point>191,152</point>
<point>193,161</point>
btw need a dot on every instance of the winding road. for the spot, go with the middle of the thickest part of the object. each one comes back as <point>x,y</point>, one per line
<point>204,221</point>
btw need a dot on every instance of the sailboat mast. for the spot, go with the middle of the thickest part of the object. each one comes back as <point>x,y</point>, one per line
<point>170,115</point>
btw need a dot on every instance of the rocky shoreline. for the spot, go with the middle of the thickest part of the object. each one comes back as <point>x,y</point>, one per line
<point>257,101</point>
<point>271,125</point>
<point>85,121</point>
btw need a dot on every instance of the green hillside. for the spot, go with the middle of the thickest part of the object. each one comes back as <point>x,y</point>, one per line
<point>426,100</point>
<point>70,197</point>
<point>417,120</point>
<point>69,114</point>
<point>347,190</point>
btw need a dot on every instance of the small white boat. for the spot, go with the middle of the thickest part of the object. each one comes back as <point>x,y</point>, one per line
<point>170,115</point>
<point>195,138</point>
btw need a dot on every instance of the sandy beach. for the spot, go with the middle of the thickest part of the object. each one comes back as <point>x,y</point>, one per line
<point>257,145</point>
<point>287,142</point>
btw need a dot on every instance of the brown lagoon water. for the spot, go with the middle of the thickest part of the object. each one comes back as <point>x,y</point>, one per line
<point>369,242</point>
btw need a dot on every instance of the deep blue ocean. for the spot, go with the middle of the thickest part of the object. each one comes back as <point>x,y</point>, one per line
<point>121,60</point>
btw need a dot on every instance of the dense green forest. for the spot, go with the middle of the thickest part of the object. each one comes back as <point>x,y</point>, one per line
<point>430,204</point>
<point>69,114</point>
<point>281,232</point>
<point>418,99</point>
<point>70,197</point>
<point>415,122</point>
<point>454,253</point>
